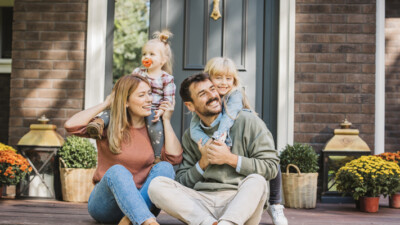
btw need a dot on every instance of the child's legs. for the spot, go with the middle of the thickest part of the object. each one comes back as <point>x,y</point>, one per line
<point>116,195</point>
<point>275,188</point>
<point>156,133</point>
<point>163,169</point>
<point>105,116</point>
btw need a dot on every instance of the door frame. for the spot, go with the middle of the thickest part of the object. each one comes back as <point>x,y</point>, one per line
<point>96,60</point>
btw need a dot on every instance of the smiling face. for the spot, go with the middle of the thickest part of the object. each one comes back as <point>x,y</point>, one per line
<point>139,102</point>
<point>152,57</point>
<point>223,82</point>
<point>205,99</point>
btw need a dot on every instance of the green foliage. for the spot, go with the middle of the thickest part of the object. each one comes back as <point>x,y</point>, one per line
<point>130,34</point>
<point>78,152</point>
<point>301,155</point>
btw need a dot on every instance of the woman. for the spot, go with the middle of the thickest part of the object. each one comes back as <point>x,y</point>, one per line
<point>125,156</point>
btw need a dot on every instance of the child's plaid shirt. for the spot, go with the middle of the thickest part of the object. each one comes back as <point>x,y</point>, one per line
<point>163,88</point>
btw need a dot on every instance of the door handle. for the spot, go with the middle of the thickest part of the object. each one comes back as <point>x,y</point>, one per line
<point>216,13</point>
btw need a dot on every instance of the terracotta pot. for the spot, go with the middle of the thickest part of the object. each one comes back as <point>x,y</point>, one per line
<point>394,201</point>
<point>369,204</point>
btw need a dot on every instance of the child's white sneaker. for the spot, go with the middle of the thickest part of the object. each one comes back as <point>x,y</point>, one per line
<point>277,216</point>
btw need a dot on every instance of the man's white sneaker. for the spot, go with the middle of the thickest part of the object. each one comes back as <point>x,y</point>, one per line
<point>277,216</point>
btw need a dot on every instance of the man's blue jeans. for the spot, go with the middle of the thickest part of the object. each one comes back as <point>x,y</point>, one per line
<point>116,195</point>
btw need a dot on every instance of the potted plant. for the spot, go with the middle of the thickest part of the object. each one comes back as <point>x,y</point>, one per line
<point>13,167</point>
<point>366,178</point>
<point>78,159</point>
<point>394,189</point>
<point>300,162</point>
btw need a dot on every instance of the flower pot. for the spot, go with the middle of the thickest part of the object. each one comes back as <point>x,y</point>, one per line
<point>369,204</point>
<point>394,201</point>
<point>1,190</point>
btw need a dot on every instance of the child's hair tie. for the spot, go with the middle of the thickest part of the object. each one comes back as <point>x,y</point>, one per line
<point>163,36</point>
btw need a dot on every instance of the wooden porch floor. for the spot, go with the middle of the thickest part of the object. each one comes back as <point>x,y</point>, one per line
<point>45,212</point>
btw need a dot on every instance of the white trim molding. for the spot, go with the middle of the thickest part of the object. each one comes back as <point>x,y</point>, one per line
<point>96,52</point>
<point>287,22</point>
<point>380,79</point>
<point>5,65</point>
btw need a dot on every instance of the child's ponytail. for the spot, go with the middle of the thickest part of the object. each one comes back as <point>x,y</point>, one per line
<point>164,37</point>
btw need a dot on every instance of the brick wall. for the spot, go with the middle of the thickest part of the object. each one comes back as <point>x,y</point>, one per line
<point>48,61</point>
<point>392,61</point>
<point>334,69</point>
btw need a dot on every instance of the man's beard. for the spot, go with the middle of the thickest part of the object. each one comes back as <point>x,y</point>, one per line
<point>206,113</point>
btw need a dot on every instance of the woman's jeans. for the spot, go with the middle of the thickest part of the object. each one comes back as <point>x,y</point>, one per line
<point>116,195</point>
<point>275,188</point>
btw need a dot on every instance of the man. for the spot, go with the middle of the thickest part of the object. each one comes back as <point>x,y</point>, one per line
<point>218,185</point>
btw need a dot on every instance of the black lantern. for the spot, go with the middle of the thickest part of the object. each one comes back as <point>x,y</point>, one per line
<point>343,147</point>
<point>39,146</point>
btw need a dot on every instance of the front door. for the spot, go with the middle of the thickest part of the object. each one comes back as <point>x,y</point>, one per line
<point>246,33</point>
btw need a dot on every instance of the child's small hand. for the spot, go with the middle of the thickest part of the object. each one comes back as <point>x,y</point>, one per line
<point>158,113</point>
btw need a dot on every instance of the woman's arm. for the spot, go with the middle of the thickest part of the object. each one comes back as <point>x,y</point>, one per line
<point>172,144</point>
<point>82,118</point>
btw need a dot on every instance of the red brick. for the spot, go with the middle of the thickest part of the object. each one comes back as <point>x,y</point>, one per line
<point>15,122</point>
<point>76,74</point>
<point>314,88</point>
<point>18,64</point>
<point>329,98</point>
<point>305,77</point>
<point>75,93</point>
<point>313,28</point>
<point>16,83</point>
<point>313,8</point>
<point>26,54</point>
<point>314,48</point>
<point>368,48</point>
<point>305,118</point>
<point>360,118</point>
<point>360,58</point>
<point>360,98</point>
<point>70,26</point>
<point>55,74</point>
<point>361,1</point>
<point>360,78</point>
<point>27,16</point>
<point>38,84</point>
<point>19,26</point>
<point>40,64</point>
<point>68,84</point>
<point>305,57</point>
<point>312,127</point>
<point>361,38</point>
<point>348,9</point>
<point>55,17</point>
<point>319,68</point>
<point>329,57</point>
<point>38,45</point>
<point>78,17</point>
<point>76,55</point>
<point>346,28</point>
<point>305,18</point>
<point>345,68</point>
<point>69,45</point>
<point>330,18</point>
<point>361,18</point>
<point>369,28</point>
<point>368,88</point>
<point>22,112</point>
<point>40,26</point>
<point>25,73</point>
<point>68,65</point>
<point>17,45</point>
<point>71,7</point>
<point>369,8</point>
<point>52,93</point>
<point>77,36</point>
<point>345,88</point>
<point>345,48</point>
<point>23,93</point>
<point>22,35</point>
<point>368,68</point>
<point>53,55</point>
<point>52,113</point>
<point>331,38</point>
<point>54,36</point>
<point>329,118</point>
<point>344,108</point>
<point>39,7</point>
<point>305,98</point>
<point>329,78</point>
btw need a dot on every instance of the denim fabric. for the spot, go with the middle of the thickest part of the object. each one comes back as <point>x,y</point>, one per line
<point>232,108</point>
<point>105,116</point>
<point>275,188</point>
<point>116,195</point>
<point>156,133</point>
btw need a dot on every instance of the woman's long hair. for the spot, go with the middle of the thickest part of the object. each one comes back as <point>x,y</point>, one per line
<point>118,129</point>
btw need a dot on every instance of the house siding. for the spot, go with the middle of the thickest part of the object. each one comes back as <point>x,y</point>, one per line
<point>48,63</point>
<point>392,67</point>
<point>334,69</point>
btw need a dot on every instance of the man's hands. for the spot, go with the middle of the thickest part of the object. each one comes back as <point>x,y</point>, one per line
<point>216,152</point>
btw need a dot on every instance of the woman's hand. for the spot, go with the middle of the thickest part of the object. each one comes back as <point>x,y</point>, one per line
<point>168,109</point>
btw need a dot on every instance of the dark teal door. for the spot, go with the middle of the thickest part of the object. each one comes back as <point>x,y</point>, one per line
<point>240,34</point>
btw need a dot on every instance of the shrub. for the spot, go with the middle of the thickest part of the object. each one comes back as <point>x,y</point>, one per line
<point>301,155</point>
<point>78,152</point>
<point>13,166</point>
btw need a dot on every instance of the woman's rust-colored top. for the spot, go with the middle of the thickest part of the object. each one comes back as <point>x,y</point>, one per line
<point>136,156</point>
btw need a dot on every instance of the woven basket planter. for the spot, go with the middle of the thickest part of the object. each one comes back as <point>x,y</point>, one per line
<point>76,184</point>
<point>299,189</point>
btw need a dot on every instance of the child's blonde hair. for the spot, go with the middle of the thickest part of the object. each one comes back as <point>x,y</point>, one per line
<point>223,65</point>
<point>163,37</point>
